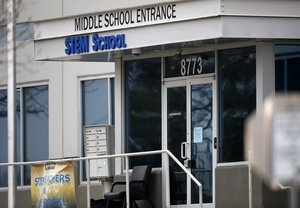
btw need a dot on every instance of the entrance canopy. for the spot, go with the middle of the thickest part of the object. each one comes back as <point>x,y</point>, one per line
<point>103,36</point>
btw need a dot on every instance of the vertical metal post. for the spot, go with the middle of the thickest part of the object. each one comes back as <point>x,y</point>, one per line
<point>294,197</point>
<point>11,107</point>
<point>201,196</point>
<point>127,182</point>
<point>167,180</point>
<point>250,178</point>
<point>88,194</point>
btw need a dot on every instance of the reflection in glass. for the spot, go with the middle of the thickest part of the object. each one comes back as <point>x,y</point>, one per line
<point>201,148</point>
<point>36,126</point>
<point>18,156</point>
<point>143,109</point>
<point>176,122</point>
<point>95,102</point>
<point>237,100</point>
<point>3,137</point>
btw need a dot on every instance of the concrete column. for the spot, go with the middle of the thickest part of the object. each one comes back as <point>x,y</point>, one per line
<point>119,143</point>
<point>265,86</point>
<point>265,71</point>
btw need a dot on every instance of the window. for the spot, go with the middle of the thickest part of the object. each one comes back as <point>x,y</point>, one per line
<point>32,130</point>
<point>189,65</point>
<point>143,109</point>
<point>237,95</point>
<point>97,105</point>
<point>287,68</point>
<point>24,32</point>
<point>3,137</point>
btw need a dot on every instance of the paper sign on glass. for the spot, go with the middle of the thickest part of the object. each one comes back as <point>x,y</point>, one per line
<point>198,135</point>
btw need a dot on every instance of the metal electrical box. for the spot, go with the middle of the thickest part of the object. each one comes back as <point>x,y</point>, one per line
<point>99,141</point>
<point>273,139</point>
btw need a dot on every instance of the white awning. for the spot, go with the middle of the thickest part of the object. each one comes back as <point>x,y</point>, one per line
<point>76,38</point>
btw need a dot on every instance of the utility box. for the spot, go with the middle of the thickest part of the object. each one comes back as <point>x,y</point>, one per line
<point>99,141</point>
<point>273,140</point>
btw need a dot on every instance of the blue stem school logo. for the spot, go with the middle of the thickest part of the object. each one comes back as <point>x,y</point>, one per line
<point>81,44</point>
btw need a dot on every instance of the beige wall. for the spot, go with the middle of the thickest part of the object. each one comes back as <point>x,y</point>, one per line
<point>44,9</point>
<point>37,10</point>
<point>64,97</point>
<point>289,8</point>
<point>33,10</point>
<point>73,72</point>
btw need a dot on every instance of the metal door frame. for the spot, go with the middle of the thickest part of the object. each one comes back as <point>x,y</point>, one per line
<point>188,82</point>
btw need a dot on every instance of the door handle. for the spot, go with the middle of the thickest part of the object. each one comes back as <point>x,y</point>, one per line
<point>215,142</point>
<point>184,150</point>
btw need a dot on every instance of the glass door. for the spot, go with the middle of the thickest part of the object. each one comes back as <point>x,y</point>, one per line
<point>202,140</point>
<point>189,131</point>
<point>176,136</point>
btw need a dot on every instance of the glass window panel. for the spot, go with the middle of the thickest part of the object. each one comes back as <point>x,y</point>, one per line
<point>3,137</point>
<point>143,109</point>
<point>112,97</point>
<point>293,65</point>
<point>176,119</point>
<point>94,102</point>
<point>36,128</point>
<point>280,75</point>
<point>283,51</point>
<point>95,109</point>
<point>36,106</point>
<point>189,65</point>
<point>237,100</point>
<point>18,157</point>
<point>201,148</point>
<point>3,35</point>
<point>287,68</point>
<point>24,32</point>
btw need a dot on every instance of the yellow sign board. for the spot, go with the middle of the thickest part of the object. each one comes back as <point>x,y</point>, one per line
<point>53,185</point>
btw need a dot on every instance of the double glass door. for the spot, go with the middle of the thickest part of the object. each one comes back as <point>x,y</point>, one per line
<point>189,131</point>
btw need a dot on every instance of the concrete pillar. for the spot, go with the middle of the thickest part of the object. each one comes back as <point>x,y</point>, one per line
<point>265,86</point>
<point>265,71</point>
<point>118,114</point>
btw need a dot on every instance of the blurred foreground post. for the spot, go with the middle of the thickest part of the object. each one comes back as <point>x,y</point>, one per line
<point>273,142</point>
<point>11,107</point>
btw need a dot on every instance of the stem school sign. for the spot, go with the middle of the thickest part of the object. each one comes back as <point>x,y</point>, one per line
<point>81,44</point>
<point>53,185</point>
